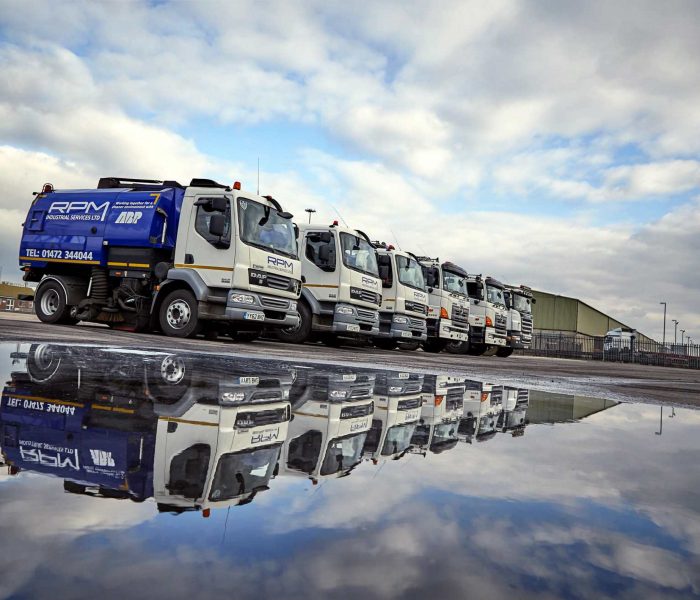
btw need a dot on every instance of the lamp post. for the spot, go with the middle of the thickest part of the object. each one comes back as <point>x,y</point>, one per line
<point>675,331</point>
<point>682,334</point>
<point>310,211</point>
<point>663,343</point>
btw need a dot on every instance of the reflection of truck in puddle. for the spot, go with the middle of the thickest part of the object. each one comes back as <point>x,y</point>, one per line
<point>397,409</point>
<point>443,407</point>
<point>332,413</point>
<point>513,416</point>
<point>212,441</point>
<point>490,411</point>
<point>477,401</point>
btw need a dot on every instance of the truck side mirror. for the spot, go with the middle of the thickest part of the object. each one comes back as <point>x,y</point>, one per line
<point>217,224</point>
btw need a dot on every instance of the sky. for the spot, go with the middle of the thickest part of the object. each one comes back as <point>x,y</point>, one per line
<point>555,144</point>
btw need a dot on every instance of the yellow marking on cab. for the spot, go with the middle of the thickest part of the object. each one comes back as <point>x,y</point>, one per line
<point>188,422</point>
<point>320,285</point>
<point>210,267</point>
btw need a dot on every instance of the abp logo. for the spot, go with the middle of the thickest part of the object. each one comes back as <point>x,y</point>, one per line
<point>129,217</point>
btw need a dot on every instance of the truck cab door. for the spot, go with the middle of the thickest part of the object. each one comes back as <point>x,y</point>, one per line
<point>210,247</point>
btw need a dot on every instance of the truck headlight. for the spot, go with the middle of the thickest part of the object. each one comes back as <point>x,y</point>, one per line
<point>400,319</point>
<point>338,394</point>
<point>242,299</point>
<point>292,306</point>
<point>395,389</point>
<point>344,310</point>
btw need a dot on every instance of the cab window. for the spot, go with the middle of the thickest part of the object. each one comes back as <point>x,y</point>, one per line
<point>320,250</point>
<point>206,209</point>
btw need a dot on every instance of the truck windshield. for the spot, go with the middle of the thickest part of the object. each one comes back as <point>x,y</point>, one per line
<point>521,303</point>
<point>410,272</point>
<point>240,473</point>
<point>359,254</point>
<point>444,436</point>
<point>452,282</point>
<point>262,227</point>
<point>343,453</point>
<point>494,295</point>
<point>398,439</point>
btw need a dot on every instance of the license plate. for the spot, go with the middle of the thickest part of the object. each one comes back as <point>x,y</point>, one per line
<point>406,334</point>
<point>254,316</point>
<point>353,328</point>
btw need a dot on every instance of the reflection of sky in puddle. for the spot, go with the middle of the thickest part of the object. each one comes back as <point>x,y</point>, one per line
<point>603,506</point>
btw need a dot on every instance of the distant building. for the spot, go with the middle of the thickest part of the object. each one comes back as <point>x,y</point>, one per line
<point>9,298</point>
<point>565,316</point>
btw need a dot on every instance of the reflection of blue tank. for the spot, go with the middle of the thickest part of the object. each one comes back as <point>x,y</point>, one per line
<point>83,442</point>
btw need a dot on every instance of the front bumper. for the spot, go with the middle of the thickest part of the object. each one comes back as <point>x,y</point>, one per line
<point>494,339</point>
<point>446,329</point>
<point>518,340</point>
<point>355,320</point>
<point>264,311</point>
<point>413,328</point>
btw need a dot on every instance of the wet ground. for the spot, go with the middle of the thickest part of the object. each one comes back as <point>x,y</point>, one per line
<point>593,378</point>
<point>134,472</point>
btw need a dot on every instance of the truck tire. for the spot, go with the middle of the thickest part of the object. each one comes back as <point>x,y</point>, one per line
<point>300,333</point>
<point>477,349</point>
<point>434,345</point>
<point>50,304</point>
<point>504,352</point>
<point>178,314</point>
<point>409,346</point>
<point>456,347</point>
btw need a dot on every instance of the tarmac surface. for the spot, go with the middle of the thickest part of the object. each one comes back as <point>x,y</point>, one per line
<point>616,381</point>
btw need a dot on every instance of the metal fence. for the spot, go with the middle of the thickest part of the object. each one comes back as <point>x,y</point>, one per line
<point>585,347</point>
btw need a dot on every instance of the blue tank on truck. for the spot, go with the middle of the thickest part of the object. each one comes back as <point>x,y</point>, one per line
<point>142,254</point>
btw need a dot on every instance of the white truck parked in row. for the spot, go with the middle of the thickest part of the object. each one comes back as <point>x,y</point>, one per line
<point>397,409</point>
<point>488,318</point>
<point>448,304</point>
<point>331,417</point>
<point>519,301</point>
<point>402,316</point>
<point>342,291</point>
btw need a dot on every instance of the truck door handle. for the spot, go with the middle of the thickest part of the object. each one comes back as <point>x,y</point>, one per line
<point>189,259</point>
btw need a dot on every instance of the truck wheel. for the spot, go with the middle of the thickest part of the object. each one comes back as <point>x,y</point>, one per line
<point>490,351</point>
<point>409,346</point>
<point>178,314</point>
<point>504,352</point>
<point>50,304</point>
<point>457,347</point>
<point>385,344</point>
<point>434,345</point>
<point>300,333</point>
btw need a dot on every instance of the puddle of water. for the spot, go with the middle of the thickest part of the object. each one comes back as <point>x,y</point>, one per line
<point>188,475</point>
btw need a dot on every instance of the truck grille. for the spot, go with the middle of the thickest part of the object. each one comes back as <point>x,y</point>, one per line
<point>409,404</point>
<point>526,321</point>
<point>360,392</point>
<point>523,396</point>
<point>278,282</point>
<point>501,324</point>
<point>366,315</point>
<point>416,307</point>
<point>454,400</point>
<point>275,303</point>
<point>416,323</point>
<point>245,420</point>
<point>460,314</point>
<point>351,412</point>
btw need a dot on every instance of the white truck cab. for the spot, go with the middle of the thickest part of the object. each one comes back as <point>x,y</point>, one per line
<point>342,291</point>
<point>515,405</point>
<point>442,410</point>
<point>332,415</point>
<point>488,318</point>
<point>402,315</point>
<point>397,409</point>
<point>448,304</point>
<point>491,410</point>
<point>519,301</point>
<point>216,456</point>
<point>620,339</point>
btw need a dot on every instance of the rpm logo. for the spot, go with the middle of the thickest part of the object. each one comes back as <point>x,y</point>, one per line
<point>77,211</point>
<point>280,263</point>
<point>129,217</point>
<point>370,282</point>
